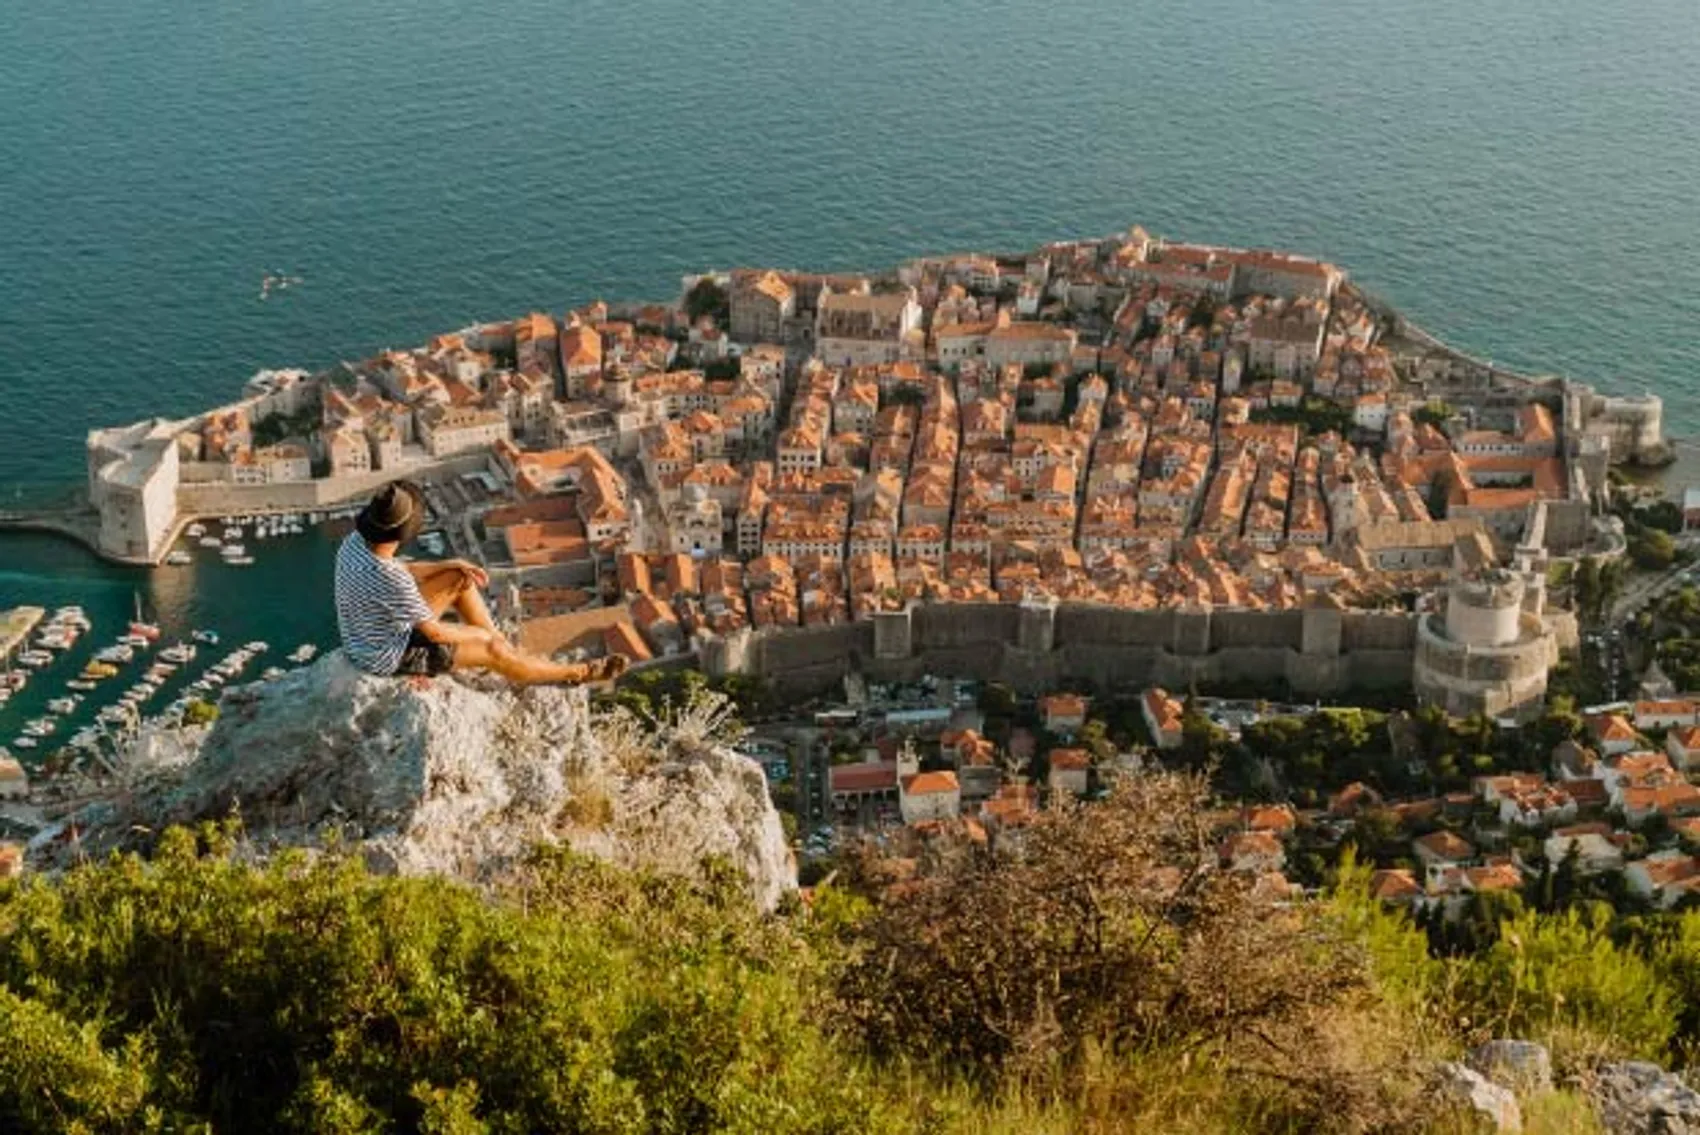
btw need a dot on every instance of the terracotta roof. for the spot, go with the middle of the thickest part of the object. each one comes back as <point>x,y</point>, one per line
<point>873,776</point>
<point>1445,845</point>
<point>930,783</point>
<point>1394,885</point>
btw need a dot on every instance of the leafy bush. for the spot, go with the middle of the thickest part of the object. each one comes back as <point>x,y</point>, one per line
<point>1109,938</point>
<point>1563,977</point>
<point>306,995</point>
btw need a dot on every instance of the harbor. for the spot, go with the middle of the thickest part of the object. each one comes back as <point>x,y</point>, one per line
<point>89,651</point>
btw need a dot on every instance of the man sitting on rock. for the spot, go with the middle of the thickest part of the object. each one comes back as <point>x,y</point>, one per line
<point>390,611</point>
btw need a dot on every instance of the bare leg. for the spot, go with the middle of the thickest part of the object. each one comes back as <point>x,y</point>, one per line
<point>449,588</point>
<point>493,652</point>
<point>469,604</point>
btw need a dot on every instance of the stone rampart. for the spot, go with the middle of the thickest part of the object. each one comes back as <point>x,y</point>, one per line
<point>1378,630</point>
<point>224,498</point>
<point>1105,646</point>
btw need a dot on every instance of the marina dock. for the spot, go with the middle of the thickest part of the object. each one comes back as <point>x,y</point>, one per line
<point>15,627</point>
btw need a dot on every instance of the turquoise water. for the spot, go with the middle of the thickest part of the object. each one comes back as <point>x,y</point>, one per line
<point>1519,175</point>
<point>266,601</point>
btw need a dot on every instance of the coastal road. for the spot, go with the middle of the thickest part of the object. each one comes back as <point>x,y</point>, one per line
<point>1644,592</point>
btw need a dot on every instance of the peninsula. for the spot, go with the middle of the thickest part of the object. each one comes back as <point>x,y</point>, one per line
<point>1127,459</point>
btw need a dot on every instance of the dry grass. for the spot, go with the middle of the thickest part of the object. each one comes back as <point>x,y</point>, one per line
<point>1105,966</point>
<point>589,807</point>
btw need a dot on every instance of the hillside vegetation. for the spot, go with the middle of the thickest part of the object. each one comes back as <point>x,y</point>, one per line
<point>1105,979</point>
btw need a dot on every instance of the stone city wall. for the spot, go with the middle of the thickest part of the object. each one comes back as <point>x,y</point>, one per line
<point>225,498</point>
<point>1036,647</point>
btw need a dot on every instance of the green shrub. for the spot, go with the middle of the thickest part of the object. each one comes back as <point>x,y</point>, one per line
<point>307,995</point>
<point>1562,978</point>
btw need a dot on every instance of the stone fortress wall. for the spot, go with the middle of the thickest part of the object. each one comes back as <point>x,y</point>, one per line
<point>1037,646</point>
<point>223,498</point>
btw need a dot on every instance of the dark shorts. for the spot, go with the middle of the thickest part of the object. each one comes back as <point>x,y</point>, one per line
<point>423,656</point>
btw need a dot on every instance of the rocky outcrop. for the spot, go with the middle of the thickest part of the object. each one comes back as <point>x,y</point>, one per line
<point>1635,1098</point>
<point>1469,1090</point>
<point>447,777</point>
<point>1521,1065</point>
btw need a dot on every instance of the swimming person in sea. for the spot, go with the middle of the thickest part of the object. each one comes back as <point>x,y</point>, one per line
<point>390,611</point>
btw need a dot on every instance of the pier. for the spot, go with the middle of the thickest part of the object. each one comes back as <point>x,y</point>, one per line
<point>15,627</point>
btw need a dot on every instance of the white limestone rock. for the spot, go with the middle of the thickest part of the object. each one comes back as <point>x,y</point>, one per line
<point>1521,1065</point>
<point>1636,1098</point>
<point>453,778</point>
<point>1465,1088</point>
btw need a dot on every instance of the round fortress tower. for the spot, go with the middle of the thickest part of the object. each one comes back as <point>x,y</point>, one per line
<point>1487,654</point>
<point>1485,611</point>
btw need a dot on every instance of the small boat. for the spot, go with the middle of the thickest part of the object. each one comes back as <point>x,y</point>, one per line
<point>82,684</point>
<point>239,561</point>
<point>12,680</point>
<point>63,705</point>
<point>303,653</point>
<point>26,742</point>
<point>197,529</point>
<point>119,653</point>
<point>255,647</point>
<point>141,627</point>
<point>179,559</point>
<point>209,542</point>
<point>208,637</point>
<point>272,673</point>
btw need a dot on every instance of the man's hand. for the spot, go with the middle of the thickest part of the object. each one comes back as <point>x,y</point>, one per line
<point>474,574</point>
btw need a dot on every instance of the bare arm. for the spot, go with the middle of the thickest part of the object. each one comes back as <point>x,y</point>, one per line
<point>429,569</point>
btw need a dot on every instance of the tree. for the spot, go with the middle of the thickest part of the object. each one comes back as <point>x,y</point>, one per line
<point>708,298</point>
<point>1379,836</point>
<point>1652,549</point>
<point>1094,738</point>
<point>1435,412</point>
<point>1024,962</point>
<point>1588,587</point>
<point>1663,514</point>
<point>1565,971</point>
<point>996,700</point>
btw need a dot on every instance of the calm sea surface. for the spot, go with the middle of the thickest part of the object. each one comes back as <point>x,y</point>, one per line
<point>1521,176</point>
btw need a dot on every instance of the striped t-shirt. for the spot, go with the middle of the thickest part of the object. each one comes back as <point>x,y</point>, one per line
<point>377,606</point>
